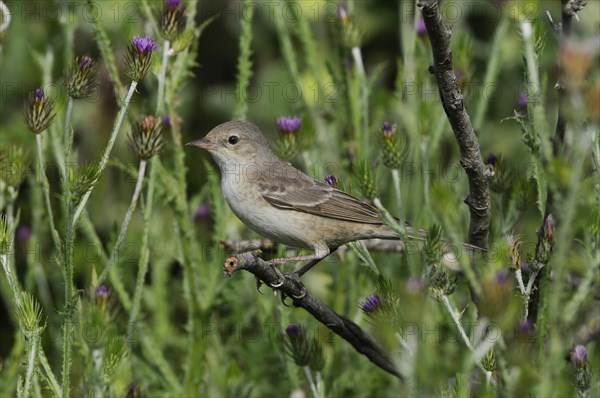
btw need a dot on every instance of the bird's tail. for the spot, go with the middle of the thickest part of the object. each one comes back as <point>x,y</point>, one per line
<point>419,234</point>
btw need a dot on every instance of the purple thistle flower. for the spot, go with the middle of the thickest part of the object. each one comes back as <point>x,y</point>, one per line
<point>331,180</point>
<point>86,62</point>
<point>370,304</point>
<point>524,327</point>
<point>289,124</point>
<point>173,3</point>
<point>421,28</point>
<point>523,99</point>
<point>388,129</point>
<point>24,233</point>
<point>144,45</point>
<point>102,292</point>
<point>292,330</point>
<point>492,159</point>
<point>579,356</point>
<point>501,277</point>
<point>343,15</point>
<point>132,391</point>
<point>39,111</point>
<point>38,94</point>
<point>166,122</point>
<point>202,212</point>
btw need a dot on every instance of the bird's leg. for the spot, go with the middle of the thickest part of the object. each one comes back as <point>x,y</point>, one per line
<point>293,259</point>
<point>308,266</point>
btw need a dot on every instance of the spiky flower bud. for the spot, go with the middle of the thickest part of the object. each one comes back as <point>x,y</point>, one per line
<point>6,235</point>
<point>579,356</point>
<point>13,166</point>
<point>146,139</point>
<point>287,146</point>
<point>305,351</point>
<point>393,150</point>
<point>350,33</point>
<point>87,176</point>
<point>139,57</point>
<point>439,279</point>
<point>171,20</point>
<point>114,351</point>
<point>549,228</point>
<point>583,374</point>
<point>102,296</point>
<point>371,304</point>
<point>367,181</point>
<point>30,314</point>
<point>80,80</point>
<point>39,111</point>
<point>288,124</point>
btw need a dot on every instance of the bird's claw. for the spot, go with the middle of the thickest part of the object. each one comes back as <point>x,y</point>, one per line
<point>295,278</point>
<point>259,283</point>
<point>280,276</point>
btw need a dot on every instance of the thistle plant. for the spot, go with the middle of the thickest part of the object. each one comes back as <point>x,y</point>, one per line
<point>307,353</point>
<point>156,315</point>
<point>80,80</point>
<point>39,111</point>
<point>394,151</point>
<point>172,20</point>
<point>287,145</point>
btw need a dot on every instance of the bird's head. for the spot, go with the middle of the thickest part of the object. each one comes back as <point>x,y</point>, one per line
<point>235,142</point>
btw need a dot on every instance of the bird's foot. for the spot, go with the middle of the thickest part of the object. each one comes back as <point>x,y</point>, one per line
<point>294,278</point>
<point>280,275</point>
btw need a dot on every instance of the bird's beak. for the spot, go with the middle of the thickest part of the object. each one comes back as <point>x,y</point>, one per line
<point>203,143</point>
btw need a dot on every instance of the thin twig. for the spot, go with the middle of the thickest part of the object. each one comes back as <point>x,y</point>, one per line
<point>125,224</point>
<point>46,189</point>
<point>342,326</point>
<point>107,150</point>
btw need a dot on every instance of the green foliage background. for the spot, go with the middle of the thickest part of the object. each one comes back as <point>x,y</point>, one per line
<point>199,334</point>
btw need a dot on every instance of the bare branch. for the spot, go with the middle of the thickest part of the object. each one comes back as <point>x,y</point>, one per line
<point>478,173</point>
<point>343,327</point>
<point>267,245</point>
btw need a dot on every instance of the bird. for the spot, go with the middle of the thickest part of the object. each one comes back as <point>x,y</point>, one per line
<point>282,203</point>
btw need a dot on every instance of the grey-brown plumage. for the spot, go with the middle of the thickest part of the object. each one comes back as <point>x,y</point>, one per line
<point>282,203</point>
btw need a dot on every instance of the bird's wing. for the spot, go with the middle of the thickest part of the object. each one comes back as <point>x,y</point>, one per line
<point>302,193</point>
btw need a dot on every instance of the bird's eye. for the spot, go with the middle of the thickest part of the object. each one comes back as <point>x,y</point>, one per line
<point>233,139</point>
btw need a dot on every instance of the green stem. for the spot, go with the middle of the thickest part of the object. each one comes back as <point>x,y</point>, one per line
<point>244,62</point>
<point>68,143</point>
<point>162,77</point>
<point>145,251</point>
<point>46,189</point>
<point>49,374</point>
<point>311,381</point>
<point>364,88</point>
<point>11,277</point>
<point>396,179</point>
<point>108,149</point>
<point>31,361</point>
<point>68,315</point>
<point>461,331</point>
<point>425,158</point>
<point>123,230</point>
<point>491,73</point>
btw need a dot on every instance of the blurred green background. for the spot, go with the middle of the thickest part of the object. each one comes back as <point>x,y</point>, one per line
<point>35,51</point>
